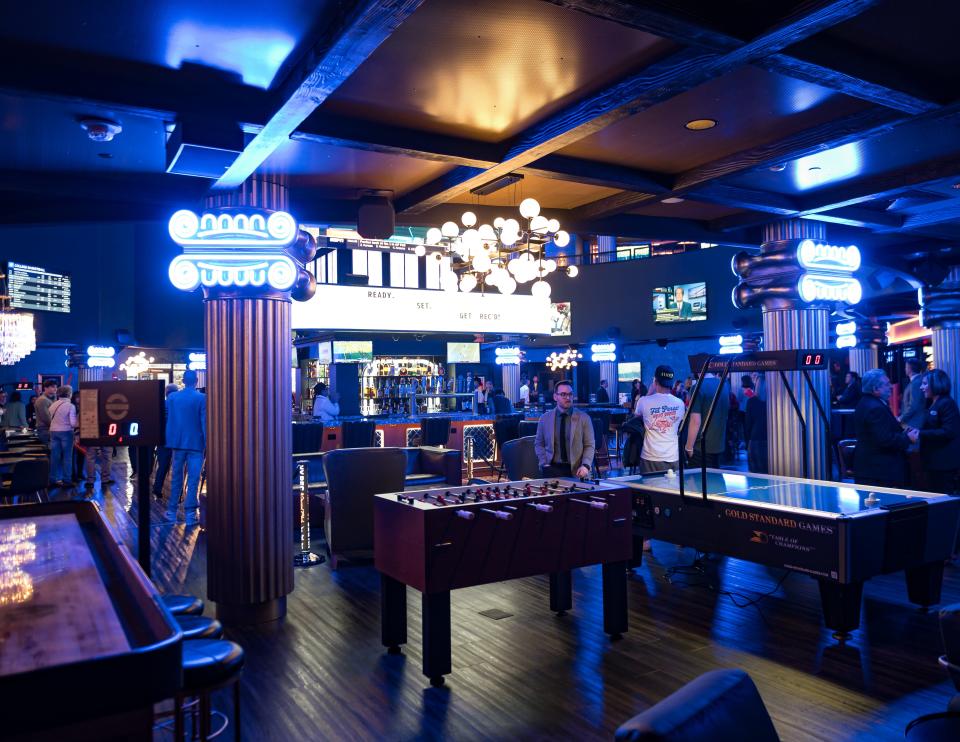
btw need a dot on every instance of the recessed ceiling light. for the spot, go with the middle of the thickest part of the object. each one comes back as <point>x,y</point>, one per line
<point>700,124</point>
<point>672,200</point>
<point>778,168</point>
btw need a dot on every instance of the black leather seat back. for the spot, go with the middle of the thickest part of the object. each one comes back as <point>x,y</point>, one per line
<point>520,458</point>
<point>357,433</point>
<point>434,431</point>
<point>354,476</point>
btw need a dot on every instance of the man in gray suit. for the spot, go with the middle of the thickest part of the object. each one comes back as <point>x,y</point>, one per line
<point>565,443</point>
<point>914,407</point>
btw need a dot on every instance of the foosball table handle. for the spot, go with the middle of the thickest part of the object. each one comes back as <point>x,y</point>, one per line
<point>596,504</point>
<point>466,514</point>
<point>501,514</point>
<point>542,507</point>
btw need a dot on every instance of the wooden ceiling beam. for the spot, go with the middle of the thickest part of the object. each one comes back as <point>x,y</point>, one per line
<point>844,73</point>
<point>354,32</point>
<point>660,81</point>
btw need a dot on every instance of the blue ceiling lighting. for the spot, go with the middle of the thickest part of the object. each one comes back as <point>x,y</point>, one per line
<point>254,54</point>
<point>826,167</point>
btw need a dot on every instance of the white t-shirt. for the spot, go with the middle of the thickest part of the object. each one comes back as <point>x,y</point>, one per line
<point>662,415</point>
<point>525,394</point>
<point>325,409</point>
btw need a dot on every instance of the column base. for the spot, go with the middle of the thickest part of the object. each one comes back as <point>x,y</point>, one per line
<point>247,614</point>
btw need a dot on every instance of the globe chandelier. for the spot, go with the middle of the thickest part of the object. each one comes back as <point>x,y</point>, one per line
<point>136,365</point>
<point>502,255</point>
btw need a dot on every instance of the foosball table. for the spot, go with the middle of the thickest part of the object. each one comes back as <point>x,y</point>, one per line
<point>439,540</point>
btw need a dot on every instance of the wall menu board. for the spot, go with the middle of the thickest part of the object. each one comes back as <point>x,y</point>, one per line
<point>37,289</point>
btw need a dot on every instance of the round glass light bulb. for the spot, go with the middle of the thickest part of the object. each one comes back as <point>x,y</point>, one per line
<point>468,218</point>
<point>541,289</point>
<point>509,238</point>
<point>539,224</point>
<point>468,283</point>
<point>471,239</point>
<point>553,225</point>
<point>513,265</point>
<point>450,229</point>
<point>572,271</point>
<point>419,251</point>
<point>434,236</point>
<point>529,208</point>
<point>512,225</point>
<point>486,232</point>
<point>562,239</point>
<point>438,256</point>
<point>507,285</point>
<point>450,281</point>
<point>498,222</point>
<point>481,262</point>
<point>550,265</point>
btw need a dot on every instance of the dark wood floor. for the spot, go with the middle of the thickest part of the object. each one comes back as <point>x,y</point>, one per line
<point>322,674</point>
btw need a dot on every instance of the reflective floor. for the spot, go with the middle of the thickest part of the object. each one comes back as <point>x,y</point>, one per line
<point>322,674</point>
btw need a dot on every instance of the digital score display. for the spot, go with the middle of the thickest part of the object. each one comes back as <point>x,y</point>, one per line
<point>37,289</point>
<point>766,360</point>
<point>812,360</point>
<point>122,413</point>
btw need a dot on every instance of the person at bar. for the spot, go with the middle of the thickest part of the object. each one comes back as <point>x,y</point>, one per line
<point>63,420</point>
<point>715,440</point>
<point>326,403</point>
<point>851,393</point>
<point>565,444</point>
<point>15,415</point>
<point>524,392</point>
<point>42,408</point>
<point>480,395</point>
<point>939,435</point>
<point>881,454</point>
<point>914,407</point>
<point>755,427</point>
<point>186,437</point>
<point>164,454</point>
<point>662,414</point>
<point>603,396</point>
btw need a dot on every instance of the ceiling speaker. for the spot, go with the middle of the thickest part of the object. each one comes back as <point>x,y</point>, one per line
<point>375,218</point>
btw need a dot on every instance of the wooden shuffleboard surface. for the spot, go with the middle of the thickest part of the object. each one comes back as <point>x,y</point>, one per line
<point>54,608</point>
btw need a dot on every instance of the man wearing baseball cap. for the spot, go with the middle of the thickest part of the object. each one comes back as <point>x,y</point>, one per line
<point>662,414</point>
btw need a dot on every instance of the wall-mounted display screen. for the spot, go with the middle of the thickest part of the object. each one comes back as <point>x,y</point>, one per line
<point>325,352</point>
<point>463,352</point>
<point>352,351</point>
<point>627,372</point>
<point>37,289</point>
<point>561,318</point>
<point>682,302</point>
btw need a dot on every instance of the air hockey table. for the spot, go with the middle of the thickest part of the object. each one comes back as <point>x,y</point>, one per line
<point>840,534</point>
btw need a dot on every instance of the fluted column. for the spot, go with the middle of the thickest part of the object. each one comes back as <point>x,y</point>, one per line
<point>941,313</point>
<point>790,329</point>
<point>90,374</point>
<point>250,508</point>
<point>863,359</point>
<point>608,373</point>
<point>510,378</point>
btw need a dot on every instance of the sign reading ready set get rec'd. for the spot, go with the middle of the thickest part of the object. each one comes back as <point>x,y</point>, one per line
<point>384,308</point>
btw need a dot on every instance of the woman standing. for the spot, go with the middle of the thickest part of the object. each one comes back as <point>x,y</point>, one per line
<point>63,419</point>
<point>940,435</point>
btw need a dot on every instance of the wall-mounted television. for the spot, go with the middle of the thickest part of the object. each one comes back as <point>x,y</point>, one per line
<point>37,289</point>
<point>325,352</point>
<point>463,352</point>
<point>627,372</point>
<point>352,351</point>
<point>681,302</point>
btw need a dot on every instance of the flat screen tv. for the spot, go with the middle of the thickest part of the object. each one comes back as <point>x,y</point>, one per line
<point>463,352</point>
<point>681,302</point>
<point>627,372</point>
<point>561,318</point>
<point>324,352</point>
<point>352,351</point>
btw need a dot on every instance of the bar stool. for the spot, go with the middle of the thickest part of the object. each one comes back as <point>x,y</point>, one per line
<point>199,627</point>
<point>183,605</point>
<point>208,665</point>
